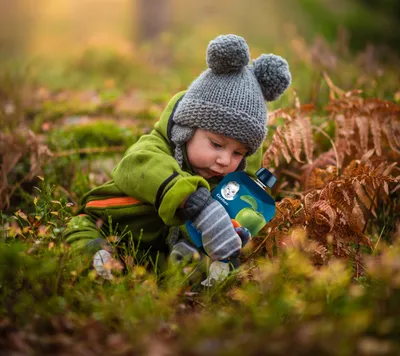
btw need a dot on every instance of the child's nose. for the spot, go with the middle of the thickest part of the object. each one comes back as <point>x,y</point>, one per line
<point>224,159</point>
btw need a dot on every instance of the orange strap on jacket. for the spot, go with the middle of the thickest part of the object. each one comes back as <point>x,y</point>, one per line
<point>106,203</point>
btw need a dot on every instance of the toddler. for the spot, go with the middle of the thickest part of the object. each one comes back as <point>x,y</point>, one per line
<point>216,127</point>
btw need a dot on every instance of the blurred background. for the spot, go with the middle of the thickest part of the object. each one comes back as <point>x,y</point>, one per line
<point>47,27</point>
<point>160,44</point>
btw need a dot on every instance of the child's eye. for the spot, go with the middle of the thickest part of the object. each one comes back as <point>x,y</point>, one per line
<point>216,145</point>
<point>238,153</point>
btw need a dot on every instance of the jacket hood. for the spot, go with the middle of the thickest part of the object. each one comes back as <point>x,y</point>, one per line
<point>165,123</point>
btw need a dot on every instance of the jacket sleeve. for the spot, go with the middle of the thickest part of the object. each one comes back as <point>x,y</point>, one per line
<point>150,173</point>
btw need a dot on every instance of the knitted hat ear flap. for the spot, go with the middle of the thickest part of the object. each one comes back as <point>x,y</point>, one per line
<point>179,135</point>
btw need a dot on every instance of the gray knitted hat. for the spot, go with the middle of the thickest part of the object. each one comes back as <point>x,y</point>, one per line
<point>229,97</point>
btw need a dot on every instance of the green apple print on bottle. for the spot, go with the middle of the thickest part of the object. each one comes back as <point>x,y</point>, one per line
<point>249,217</point>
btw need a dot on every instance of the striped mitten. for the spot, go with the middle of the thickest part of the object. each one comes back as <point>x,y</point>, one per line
<point>219,237</point>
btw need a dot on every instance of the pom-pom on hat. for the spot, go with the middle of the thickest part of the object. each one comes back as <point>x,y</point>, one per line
<point>229,97</point>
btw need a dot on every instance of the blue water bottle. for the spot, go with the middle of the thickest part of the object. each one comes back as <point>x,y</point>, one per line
<point>245,200</point>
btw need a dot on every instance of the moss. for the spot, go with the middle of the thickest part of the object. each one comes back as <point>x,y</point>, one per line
<point>100,133</point>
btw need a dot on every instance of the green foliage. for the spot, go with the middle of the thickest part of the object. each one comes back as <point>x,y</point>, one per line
<point>276,305</point>
<point>98,133</point>
<point>367,21</point>
<point>30,285</point>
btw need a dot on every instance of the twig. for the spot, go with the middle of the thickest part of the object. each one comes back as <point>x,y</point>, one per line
<point>68,194</point>
<point>315,90</point>
<point>257,248</point>
<point>333,88</point>
<point>12,189</point>
<point>291,174</point>
<point>290,192</point>
<point>379,238</point>
<point>370,208</point>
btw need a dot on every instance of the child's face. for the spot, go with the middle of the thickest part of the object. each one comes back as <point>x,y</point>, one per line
<point>212,154</point>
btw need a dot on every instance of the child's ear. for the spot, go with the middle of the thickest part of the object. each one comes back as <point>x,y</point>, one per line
<point>273,75</point>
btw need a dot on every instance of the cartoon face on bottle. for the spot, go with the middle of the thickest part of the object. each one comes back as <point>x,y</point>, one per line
<point>230,190</point>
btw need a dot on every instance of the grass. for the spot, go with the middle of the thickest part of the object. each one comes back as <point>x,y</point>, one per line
<point>270,305</point>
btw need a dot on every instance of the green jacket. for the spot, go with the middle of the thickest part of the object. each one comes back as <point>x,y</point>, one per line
<point>148,186</point>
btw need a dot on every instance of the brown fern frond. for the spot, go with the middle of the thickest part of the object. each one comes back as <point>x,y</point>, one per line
<point>320,177</point>
<point>273,115</point>
<point>287,208</point>
<point>288,214</point>
<point>297,238</point>
<point>293,140</point>
<point>368,172</point>
<point>389,168</point>
<point>319,253</point>
<point>358,118</point>
<point>392,132</point>
<point>357,218</point>
<point>292,136</point>
<point>376,133</point>
<point>362,125</point>
<point>364,198</point>
<point>334,211</point>
<point>340,194</point>
<point>342,188</point>
<point>323,214</point>
<point>335,214</point>
<point>305,129</point>
<point>366,157</point>
<point>367,181</point>
<point>277,146</point>
<point>322,163</point>
<point>342,137</point>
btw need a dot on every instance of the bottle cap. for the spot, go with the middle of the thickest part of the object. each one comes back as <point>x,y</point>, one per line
<point>266,177</point>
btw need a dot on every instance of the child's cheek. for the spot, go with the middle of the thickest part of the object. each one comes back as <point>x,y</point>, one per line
<point>237,160</point>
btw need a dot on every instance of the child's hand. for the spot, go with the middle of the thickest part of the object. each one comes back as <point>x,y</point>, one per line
<point>104,263</point>
<point>219,237</point>
<point>244,234</point>
<point>184,252</point>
